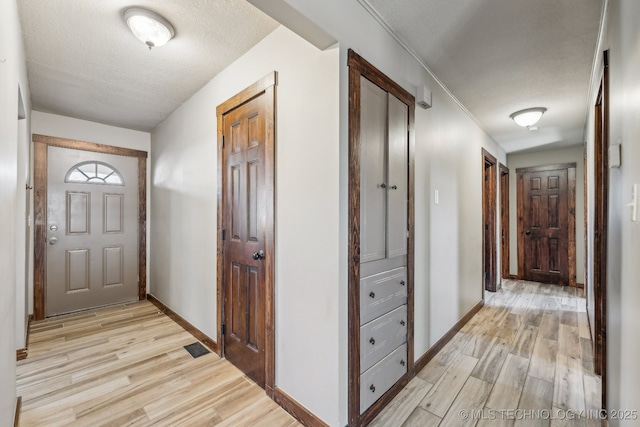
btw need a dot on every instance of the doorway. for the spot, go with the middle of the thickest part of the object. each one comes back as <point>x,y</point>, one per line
<point>546,224</point>
<point>504,221</point>
<point>245,270</point>
<point>90,225</point>
<point>489,194</point>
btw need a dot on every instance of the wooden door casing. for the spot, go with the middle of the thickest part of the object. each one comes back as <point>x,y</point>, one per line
<point>546,224</point>
<point>250,112</point>
<point>489,195</point>
<point>504,221</point>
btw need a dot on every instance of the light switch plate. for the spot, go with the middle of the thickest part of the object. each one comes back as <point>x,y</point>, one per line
<point>436,197</point>
<point>634,203</point>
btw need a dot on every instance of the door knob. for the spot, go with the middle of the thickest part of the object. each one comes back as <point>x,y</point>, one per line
<point>372,341</point>
<point>527,232</point>
<point>53,228</point>
<point>383,185</point>
<point>258,255</point>
<point>53,240</point>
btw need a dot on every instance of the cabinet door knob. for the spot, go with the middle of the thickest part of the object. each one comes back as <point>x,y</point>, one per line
<point>402,323</point>
<point>394,187</point>
<point>383,185</point>
<point>372,388</point>
<point>372,341</point>
<point>402,362</point>
<point>372,294</point>
<point>402,282</point>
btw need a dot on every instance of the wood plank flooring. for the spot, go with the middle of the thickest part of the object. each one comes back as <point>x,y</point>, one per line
<point>524,359</point>
<point>125,365</point>
<point>527,353</point>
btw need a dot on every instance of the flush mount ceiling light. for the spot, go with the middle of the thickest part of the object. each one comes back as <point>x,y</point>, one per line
<point>529,117</point>
<point>149,27</point>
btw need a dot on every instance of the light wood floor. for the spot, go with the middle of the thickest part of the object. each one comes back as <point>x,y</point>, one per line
<point>527,353</point>
<point>528,348</point>
<point>126,366</point>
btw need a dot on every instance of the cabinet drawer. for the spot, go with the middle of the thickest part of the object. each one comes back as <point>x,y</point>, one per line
<point>382,376</point>
<point>381,336</point>
<point>381,293</point>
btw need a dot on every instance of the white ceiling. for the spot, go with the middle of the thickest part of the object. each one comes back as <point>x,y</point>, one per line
<point>501,56</point>
<point>83,61</point>
<point>495,56</point>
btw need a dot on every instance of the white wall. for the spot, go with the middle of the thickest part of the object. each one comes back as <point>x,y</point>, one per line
<point>622,38</point>
<point>83,130</point>
<point>542,158</point>
<point>184,202</point>
<point>12,192</point>
<point>448,273</point>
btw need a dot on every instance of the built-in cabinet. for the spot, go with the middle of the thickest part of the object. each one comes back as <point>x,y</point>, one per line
<point>381,186</point>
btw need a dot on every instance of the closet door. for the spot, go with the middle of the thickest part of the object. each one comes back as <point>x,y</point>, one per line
<point>398,177</point>
<point>373,177</point>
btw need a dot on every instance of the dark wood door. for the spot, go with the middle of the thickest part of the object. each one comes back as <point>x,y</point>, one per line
<point>545,224</point>
<point>245,250</point>
<point>504,221</point>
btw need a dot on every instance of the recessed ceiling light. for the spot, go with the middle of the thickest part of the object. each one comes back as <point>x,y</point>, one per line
<point>528,117</point>
<point>149,27</point>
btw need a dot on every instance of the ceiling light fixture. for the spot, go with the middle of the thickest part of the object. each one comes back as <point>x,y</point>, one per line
<point>149,27</point>
<point>529,117</point>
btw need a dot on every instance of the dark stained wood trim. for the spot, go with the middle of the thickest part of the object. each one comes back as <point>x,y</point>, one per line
<point>360,67</point>
<point>580,285</point>
<point>489,216</point>
<point>513,276</point>
<point>571,175</point>
<point>426,357</point>
<point>41,144</point>
<point>354,247</point>
<point>16,417</point>
<point>142,228</point>
<point>504,220</point>
<point>546,168</point>
<point>197,333</point>
<point>601,227</point>
<point>40,228</point>
<point>22,353</point>
<point>88,146</point>
<point>265,86</point>
<point>299,412</point>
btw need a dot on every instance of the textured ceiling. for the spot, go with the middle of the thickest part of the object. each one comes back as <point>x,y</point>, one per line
<point>83,61</point>
<point>500,56</point>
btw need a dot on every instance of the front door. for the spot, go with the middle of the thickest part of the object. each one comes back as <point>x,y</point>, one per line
<point>544,232</point>
<point>245,224</point>
<point>91,230</point>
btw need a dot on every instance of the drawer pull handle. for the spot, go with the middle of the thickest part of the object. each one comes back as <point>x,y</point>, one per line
<point>402,362</point>
<point>402,282</point>
<point>372,295</point>
<point>372,341</point>
<point>372,388</point>
<point>402,323</point>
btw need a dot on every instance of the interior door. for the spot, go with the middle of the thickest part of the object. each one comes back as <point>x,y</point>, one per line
<point>545,225</point>
<point>92,230</point>
<point>489,253</point>
<point>244,224</point>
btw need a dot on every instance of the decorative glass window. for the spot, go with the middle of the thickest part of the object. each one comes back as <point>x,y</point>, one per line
<point>94,172</point>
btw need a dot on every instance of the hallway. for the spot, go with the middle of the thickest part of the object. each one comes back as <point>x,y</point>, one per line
<point>528,348</point>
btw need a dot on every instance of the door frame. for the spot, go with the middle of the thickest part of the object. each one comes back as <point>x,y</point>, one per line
<point>489,214</point>
<point>504,220</point>
<point>41,143</point>
<point>358,67</point>
<point>571,207</point>
<point>601,226</point>
<point>265,86</point>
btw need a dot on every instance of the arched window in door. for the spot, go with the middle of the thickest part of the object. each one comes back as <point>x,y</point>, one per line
<point>94,172</point>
